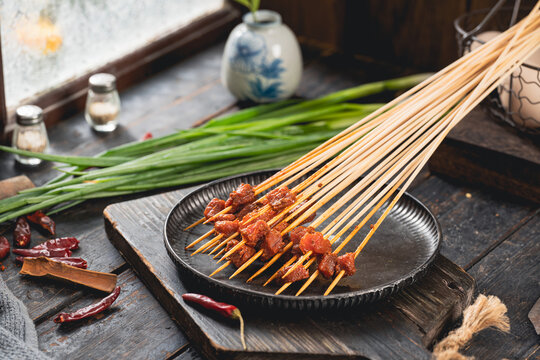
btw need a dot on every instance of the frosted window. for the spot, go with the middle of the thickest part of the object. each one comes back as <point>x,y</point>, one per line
<point>46,43</point>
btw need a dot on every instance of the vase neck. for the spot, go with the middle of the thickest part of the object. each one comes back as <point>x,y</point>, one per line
<point>265,19</point>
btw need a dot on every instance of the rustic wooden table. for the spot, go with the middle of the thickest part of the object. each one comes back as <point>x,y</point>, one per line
<point>492,236</point>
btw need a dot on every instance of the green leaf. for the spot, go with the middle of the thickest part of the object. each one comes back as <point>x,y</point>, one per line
<point>246,3</point>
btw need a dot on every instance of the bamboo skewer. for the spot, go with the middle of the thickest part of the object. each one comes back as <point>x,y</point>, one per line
<point>313,277</point>
<point>200,239</point>
<point>274,259</point>
<point>403,134</point>
<point>470,102</point>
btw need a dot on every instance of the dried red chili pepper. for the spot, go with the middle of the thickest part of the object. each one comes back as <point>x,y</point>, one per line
<point>52,253</point>
<point>227,310</point>
<point>4,247</point>
<point>147,136</point>
<point>89,310</point>
<point>43,220</point>
<point>21,234</point>
<point>72,261</point>
<point>70,243</point>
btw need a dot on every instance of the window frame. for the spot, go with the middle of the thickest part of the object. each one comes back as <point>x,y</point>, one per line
<point>69,98</point>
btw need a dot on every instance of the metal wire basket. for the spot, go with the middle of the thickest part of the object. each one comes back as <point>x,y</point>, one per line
<point>517,99</point>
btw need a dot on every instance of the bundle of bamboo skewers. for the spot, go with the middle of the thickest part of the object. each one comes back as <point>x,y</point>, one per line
<point>374,161</point>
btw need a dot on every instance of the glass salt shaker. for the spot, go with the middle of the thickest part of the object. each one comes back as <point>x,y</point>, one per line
<point>30,133</point>
<point>102,102</point>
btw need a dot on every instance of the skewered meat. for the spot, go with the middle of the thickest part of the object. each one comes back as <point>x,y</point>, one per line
<point>224,217</point>
<point>253,216</point>
<point>296,235</point>
<point>243,195</point>
<point>306,220</point>
<point>316,243</point>
<point>280,198</point>
<point>251,207</point>
<point>272,244</point>
<point>226,227</point>
<point>281,226</point>
<point>346,262</point>
<point>254,232</point>
<point>327,264</point>
<point>299,273</point>
<point>214,206</point>
<point>241,255</point>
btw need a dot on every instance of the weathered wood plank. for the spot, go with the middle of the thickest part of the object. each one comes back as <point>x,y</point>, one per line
<point>135,327</point>
<point>476,221</point>
<point>511,272</point>
<point>480,150</point>
<point>190,354</point>
<point>373,331</point>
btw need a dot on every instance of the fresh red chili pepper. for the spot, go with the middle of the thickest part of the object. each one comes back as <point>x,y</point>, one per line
<point>21,234</point>
<point>227,310</point>
<point>43,220</point>
<point>72,261</point>
<point>147,136</point>
<point>53,253</point>
<point>89,310</point>
<point>4,247</point>
<point>70,243</point>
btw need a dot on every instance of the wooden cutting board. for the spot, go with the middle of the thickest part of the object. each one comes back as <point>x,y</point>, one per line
<point>401,327</point>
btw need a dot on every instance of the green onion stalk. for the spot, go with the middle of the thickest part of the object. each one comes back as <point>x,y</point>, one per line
<point>261,137</point>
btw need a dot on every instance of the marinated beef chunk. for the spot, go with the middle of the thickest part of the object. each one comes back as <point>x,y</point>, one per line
<point>295,250</point>
<point>227,228</point>
<point>248,209</point>
<point>327,264</point>
<point>280,198</point>
<point>241,255</point>
<point>254,232</point>
<point>272,244</point>
<point>254,215</point>
<point>306,220</point>
<point>281,226</point>
<point>214,206</point>
<point>315,242</point>
<point>298,233</point>
<point>243,195</point>
<point>224,217</point>
<point>346,262</point>
<point>299,273</point>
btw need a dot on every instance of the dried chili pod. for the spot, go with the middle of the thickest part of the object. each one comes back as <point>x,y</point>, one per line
<point>53,253</point>
<point>90,310</point>
<point>43,220</point>
<point>21,234</point>
<point>70,243</point>
<point>4,247</point>
<point>72,261</point>
<point>226,310</point>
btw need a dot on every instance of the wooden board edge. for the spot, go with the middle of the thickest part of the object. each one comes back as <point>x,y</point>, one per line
<point>476,165</point>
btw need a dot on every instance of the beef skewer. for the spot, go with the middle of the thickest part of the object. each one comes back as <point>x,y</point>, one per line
<point>452,119</point>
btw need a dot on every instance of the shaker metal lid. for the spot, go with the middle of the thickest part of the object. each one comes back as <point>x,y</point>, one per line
<point>28,115</point>
<point>102,82</point>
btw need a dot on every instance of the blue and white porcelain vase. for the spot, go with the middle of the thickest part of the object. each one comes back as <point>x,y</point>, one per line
<point>262,61</point>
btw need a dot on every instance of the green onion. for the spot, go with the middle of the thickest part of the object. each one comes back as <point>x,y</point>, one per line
<point>261,137</point>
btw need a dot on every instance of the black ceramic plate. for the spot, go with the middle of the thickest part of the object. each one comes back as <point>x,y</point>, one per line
<point>397,255</point>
